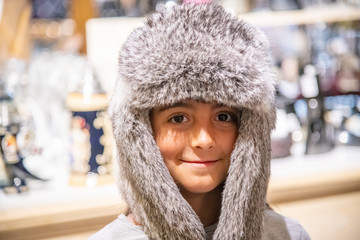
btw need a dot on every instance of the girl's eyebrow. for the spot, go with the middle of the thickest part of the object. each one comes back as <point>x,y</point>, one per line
<point>186,105</point>
<point>219,105</point>
<point>178,104</point>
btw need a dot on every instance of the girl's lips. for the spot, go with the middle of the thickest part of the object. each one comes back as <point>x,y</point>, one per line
<point>200,163</point>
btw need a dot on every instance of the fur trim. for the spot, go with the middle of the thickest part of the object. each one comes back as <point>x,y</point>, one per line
<point>194,52</point>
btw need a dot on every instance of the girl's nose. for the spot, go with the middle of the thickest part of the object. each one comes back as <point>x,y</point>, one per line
<point>203,139</point>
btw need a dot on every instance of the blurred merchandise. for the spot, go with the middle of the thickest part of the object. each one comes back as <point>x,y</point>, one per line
<point>288,129</point>
<point>320,134</point>
<point>260,5</point>
<point>128,8</point>
<point>324,62</point>
<point>335,54</point>
<point>321,62</point>
<point>345,46</point>
<point>55,34</point>
<point>345,116</point>
<point>15,143</point>
<point>91,145</point>
<point>38,92</point>
<point>59,25</point>
<point>54,26</point>
<point>51,9</point>
<point>281,141</point>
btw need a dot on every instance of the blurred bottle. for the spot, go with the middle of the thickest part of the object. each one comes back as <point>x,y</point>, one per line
<point>91,151</point>
<point>320,134</point>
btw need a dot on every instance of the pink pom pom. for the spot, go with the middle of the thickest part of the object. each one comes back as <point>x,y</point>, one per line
<point>197,1</point>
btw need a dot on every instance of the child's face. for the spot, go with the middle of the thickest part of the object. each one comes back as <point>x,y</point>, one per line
<point>196,140</point>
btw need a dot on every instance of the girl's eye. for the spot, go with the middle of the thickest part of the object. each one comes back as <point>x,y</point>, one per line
<point>178,119</point>
<point>224,117</point>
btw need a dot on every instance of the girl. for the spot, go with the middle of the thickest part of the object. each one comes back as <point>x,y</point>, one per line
<point>192,114</point>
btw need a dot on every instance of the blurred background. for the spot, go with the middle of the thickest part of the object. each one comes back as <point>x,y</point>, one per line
<point>58,63</point>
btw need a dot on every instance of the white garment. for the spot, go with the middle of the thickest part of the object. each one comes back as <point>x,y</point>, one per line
<point>277,227</point>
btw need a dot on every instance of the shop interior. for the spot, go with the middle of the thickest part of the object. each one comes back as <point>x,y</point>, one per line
<point>58,59</point>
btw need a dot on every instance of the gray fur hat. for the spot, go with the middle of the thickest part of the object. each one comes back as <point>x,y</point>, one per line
<point>194,52</point>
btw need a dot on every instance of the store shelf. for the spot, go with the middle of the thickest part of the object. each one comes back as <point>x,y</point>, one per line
<point>313,15</point>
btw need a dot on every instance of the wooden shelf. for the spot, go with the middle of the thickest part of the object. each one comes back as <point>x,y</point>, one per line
<point>313,15</point>
<point>299,177</point>
<point>61,219</point>
<point>313,186</point>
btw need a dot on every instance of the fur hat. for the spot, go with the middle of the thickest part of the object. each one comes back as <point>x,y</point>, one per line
<point>194,52</point>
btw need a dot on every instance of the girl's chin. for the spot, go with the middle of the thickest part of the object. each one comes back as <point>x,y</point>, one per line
<point>199,188</point>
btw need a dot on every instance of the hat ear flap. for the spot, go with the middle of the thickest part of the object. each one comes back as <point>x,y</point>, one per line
<point>245,199</point>
<point>159,206</point>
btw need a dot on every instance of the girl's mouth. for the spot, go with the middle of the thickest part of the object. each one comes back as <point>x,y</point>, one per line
<point>200,163</point>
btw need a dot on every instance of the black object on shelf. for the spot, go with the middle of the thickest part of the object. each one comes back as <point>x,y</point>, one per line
<point>320,134</point>
<point>13,172</point>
